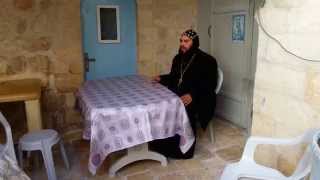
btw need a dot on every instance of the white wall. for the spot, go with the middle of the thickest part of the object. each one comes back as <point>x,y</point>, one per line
<point>287,89</point>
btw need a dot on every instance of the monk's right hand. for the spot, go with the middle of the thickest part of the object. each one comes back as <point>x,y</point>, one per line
<point>156,79</point>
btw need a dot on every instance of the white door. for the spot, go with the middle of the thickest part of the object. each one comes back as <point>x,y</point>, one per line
<point>231,39</point>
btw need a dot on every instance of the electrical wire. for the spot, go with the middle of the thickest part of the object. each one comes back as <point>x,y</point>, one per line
<point>280,44</point>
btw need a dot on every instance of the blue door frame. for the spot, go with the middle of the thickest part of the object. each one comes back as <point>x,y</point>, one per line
<point>111,59</point>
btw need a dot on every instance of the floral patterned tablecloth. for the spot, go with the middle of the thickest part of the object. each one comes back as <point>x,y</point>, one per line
<point>122,112</point>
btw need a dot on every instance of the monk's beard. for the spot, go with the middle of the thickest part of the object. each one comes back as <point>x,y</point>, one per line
<point>183,52</point>
<point>187,52</point>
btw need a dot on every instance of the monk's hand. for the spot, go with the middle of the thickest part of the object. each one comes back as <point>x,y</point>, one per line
<point>155,79</point>
<point>186,99</point>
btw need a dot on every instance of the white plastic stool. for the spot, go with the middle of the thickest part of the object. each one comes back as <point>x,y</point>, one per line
<point>43,140</point>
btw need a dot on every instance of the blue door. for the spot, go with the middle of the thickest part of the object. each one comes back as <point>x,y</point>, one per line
<point>113,57</point>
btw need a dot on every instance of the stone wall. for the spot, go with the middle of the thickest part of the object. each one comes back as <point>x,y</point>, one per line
<point>160,24</point>
<point>42,39</point>
<point>287,89</point>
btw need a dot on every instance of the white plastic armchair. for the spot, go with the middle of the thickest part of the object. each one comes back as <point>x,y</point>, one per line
<point>7,148</point>
<point>9,168</point>
<point>248,168</point>
<point>219,80</point>
<point>217,90</point>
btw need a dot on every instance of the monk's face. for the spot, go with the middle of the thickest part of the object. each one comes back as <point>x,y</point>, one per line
<point>185,43</point>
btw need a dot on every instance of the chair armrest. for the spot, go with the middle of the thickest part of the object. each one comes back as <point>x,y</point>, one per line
<point>248,153</point>
<point>9,141</point>
<point>7,129</point>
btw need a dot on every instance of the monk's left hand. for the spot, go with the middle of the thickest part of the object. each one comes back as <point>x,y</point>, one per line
<point>186,99</point>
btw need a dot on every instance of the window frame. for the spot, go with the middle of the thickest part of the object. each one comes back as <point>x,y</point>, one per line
<point>99,23</point>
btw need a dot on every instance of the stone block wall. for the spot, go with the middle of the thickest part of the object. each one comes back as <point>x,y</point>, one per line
<point>42,39</point>
<point>287,89</point>
<point>160,24</point>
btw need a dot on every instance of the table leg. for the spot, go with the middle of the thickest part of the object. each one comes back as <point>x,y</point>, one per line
<point>33,112</point>
<point>137,153</point>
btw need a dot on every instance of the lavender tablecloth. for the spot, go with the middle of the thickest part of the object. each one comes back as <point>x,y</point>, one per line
<point>122,112</point>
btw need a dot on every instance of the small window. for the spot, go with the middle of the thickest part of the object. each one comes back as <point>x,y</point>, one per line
<point>108,23</point>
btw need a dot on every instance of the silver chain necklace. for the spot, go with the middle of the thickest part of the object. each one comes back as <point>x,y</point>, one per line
<point>185,69</point>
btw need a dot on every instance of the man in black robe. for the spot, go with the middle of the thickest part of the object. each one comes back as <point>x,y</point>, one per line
<point>193,77</point>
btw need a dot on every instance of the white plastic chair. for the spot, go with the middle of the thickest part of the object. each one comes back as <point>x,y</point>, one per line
<point>315,173</point>
<point>248,168</point>
<point>219,81</point>
<point>217,90</point>
<point>8,148</point>
<point>43,140</point>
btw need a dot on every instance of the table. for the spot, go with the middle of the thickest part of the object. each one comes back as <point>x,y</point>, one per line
<point>29,91</point>
<point>123,112</point>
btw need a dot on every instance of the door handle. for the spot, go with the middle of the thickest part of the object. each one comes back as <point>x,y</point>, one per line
<point>87,61</point>
<point>209,31</point>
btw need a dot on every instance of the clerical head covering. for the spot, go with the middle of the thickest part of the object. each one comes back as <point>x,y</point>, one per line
<point>193,35</point>
<point>190,33</point>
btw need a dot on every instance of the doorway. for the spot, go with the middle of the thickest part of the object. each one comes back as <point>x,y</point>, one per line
<point>232,43</point>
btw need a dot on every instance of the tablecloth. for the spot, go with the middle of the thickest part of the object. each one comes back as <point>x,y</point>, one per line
<point>122,112</point>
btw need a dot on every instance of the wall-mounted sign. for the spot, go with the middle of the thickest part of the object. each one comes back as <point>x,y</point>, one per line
<point>238,28</point>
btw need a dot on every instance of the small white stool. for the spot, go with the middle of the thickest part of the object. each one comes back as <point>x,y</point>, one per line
<point>43,140</point>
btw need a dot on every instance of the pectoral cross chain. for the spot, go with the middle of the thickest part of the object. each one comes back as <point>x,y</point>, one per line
<point>180,81</point>
<point>185,69</point>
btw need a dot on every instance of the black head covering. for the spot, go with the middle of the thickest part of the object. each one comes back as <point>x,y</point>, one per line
<point>190,33</point>
<point>193,35</point>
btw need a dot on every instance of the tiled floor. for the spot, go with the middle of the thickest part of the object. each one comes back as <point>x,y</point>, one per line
<point>208,163</point>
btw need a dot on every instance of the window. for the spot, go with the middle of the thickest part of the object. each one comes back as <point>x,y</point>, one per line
<point>108,23</point>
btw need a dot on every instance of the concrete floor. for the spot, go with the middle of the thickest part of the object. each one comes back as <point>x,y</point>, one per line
<point>208,163</point>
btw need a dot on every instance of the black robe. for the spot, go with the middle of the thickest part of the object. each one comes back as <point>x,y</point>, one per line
<point>200,81</point>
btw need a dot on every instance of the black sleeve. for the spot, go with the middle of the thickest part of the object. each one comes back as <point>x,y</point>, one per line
<point>207,99</point>
<point>170,79</point>
<point>206,81</point>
